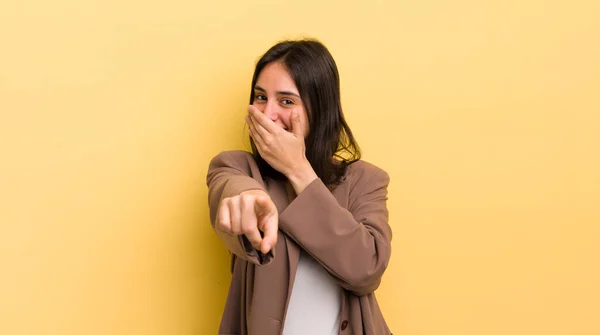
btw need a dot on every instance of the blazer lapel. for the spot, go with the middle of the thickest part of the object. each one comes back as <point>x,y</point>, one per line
<point>293,250</point>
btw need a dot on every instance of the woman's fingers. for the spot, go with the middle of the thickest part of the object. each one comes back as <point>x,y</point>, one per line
<point>235,216</point>
<point>297,128</point>
<point>249,214</point>
<point>263,121</point>
<point>224,216</point>
<point>269,229</point>
<point>258,132</point>
<point>258,140</point>
<point>249,222</point>
<point>267,212</point>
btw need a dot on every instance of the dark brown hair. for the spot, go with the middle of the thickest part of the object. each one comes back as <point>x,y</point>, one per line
<point>330,146</point>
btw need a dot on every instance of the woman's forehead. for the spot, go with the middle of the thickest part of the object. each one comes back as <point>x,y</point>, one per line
<point>275,77</point>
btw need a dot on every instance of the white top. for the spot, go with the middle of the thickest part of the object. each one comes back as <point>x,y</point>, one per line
<point>316,301</point>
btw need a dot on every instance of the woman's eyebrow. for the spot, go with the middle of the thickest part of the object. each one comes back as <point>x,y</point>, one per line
<point>288,93</point>
<point>258,88</point>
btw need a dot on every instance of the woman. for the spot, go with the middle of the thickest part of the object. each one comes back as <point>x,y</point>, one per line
<point>304,218</point>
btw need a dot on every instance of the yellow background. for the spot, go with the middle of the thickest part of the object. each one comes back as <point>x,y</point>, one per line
<point>485,115</point>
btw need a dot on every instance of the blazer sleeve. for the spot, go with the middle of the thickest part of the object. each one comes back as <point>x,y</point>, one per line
<point>354,244</point>
<point>231,173</point>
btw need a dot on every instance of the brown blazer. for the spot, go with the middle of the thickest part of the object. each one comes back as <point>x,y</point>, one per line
<point>346,230</point>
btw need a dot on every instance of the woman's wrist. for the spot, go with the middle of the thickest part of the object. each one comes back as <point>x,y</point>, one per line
<point>302,176</point>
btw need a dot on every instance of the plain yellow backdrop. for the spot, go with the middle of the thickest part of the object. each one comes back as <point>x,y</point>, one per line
<point>485,114</point>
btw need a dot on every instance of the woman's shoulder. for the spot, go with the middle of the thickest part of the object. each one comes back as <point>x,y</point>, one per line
<point>234,154</point>
<point>234,158</point>
<point>364,171</point>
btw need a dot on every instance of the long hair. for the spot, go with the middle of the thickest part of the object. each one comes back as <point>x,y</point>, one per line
<point>330,146</point>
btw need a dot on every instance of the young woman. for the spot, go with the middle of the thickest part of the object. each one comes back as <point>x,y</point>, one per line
<point>304,218</point>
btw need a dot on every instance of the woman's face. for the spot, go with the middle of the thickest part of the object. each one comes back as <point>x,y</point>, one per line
<point>276,96</point>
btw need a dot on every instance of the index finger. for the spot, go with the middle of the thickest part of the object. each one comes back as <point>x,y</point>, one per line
<point>270,230</point>
<point>263,120</point>
<point>249,222</point>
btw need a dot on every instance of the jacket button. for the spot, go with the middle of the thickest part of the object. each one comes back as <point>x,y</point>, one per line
<point>344,324</point>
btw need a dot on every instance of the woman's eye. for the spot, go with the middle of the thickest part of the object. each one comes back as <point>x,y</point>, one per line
<point>260,97</point>
<point>287,102</point>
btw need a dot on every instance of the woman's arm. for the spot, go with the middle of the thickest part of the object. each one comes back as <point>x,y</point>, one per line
<point>230,174</point>
<point>353,244</point>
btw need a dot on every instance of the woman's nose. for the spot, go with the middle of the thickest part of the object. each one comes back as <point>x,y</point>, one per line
<point>271,111</point>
